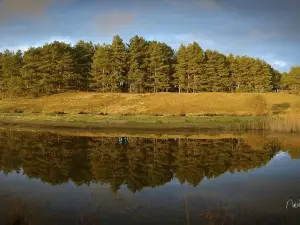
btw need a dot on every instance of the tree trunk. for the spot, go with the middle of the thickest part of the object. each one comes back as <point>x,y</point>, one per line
<point>188,86</point>
<point>194,83</point>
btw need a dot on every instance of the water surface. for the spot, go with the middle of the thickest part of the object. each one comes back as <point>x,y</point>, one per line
<point>47,178</point>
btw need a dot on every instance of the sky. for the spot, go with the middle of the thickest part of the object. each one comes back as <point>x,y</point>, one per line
<point>266,29</point>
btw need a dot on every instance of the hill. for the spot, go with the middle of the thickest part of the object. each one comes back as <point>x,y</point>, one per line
<point>152,104</point>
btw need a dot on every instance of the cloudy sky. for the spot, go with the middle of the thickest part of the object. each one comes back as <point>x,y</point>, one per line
<point>268,29</point>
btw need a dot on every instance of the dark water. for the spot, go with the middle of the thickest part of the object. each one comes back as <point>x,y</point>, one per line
<point>47,178</point>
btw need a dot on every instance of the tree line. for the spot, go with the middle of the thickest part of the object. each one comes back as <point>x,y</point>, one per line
<point>140,66</point>
<point>134,162</point>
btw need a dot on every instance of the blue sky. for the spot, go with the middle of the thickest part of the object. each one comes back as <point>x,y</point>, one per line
<point>268,29</point>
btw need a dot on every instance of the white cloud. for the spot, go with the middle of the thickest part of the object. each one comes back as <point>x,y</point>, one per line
<point>24,47</point>
<point>65,39</point>
<point>276,62</point>
<point>15,48</point>
<point>280,63</point>
<point>203,41</point>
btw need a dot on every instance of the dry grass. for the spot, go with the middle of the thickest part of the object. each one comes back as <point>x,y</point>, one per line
<point>257,105</point>
<point>285,123</point>
<point>151,104</point>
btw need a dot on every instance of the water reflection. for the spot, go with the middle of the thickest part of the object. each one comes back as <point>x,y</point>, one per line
<point>135,162</point>
<point>48,178</point>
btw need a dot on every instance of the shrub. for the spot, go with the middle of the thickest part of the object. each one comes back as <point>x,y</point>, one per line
<point>102,114</point>
<point>18,111</point>
<point>82,113</point>
<point>257,105</point>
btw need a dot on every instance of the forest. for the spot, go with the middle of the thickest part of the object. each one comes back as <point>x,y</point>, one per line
<point>134,162</point>
<point>140,66</point>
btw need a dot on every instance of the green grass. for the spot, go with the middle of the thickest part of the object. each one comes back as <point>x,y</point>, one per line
<point>141,122</point>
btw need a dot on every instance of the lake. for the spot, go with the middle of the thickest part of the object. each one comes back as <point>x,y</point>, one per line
<point>54,178</point>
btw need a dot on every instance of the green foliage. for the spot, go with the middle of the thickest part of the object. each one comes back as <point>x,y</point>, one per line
<point>160,66</point>
<point>291,81</point>
<point>102,69</point>
<point>119,63</point>
<point>252,75</point>
<point>139,67</point>
<point>11,82</point>
<point>195,67</point>
<point>138,55</point>
<point>217,72</point>
<point>83,53</point>
<point>181,67</point>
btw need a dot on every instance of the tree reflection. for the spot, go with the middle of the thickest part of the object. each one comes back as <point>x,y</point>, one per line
<point>136,163</point>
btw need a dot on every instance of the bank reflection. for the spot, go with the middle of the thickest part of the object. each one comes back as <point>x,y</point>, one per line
<point>133,162</point>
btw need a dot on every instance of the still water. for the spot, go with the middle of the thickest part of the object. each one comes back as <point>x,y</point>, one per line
<point>50,178</point>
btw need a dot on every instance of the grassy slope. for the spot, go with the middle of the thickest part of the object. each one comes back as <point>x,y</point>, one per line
<point>142,107</point>
<point>150,104</point>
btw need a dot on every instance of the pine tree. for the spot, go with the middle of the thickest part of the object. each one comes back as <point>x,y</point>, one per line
<point>181,67</point>
<point>207,84</point>
<point>67,69</point>
<point>84,52</point>
<point>1,72</point>
<point>160,66</point>
<point>195,67</point>
<point>33,79</point>
<point>291,80</point>
<point>241,77</point>
<point>138,56</point>
<point>262,77</point>
<point>276,77</point>
<point>12,83</point>
<point>141,66</point>
<point>284,81</point>
<point>223,82</point>
<point>119,63</point>
<point>232,69</point>
<point>57,66</point>
<point>102,68</point>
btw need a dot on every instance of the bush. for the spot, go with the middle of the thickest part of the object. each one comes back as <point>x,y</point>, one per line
<point>102,114</point>
<point>82,113</point>
<point>60,113</point>
<point>18,111</point>
<point>257,105</point>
